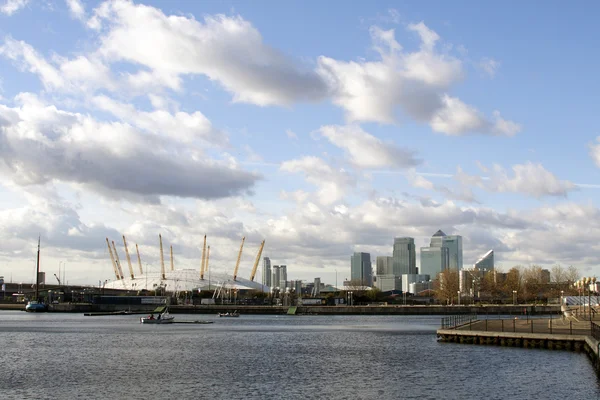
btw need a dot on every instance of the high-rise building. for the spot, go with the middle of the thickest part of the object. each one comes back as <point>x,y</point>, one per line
<point>385,265</point>
<point>434,260</point>
<point>404,257</point>
<point>486,262</point>
<point>276,276</point>
<point>360,269</point>
<point>454,245</point>
<point>266,271</point>
<point>283,276</point>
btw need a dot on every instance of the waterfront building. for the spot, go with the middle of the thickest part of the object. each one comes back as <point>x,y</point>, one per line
<point>485,262</point>
<point>388,282</point>
<point>404,256</point>
<point>418,287</point>
<point>434,260</point>
<point>361,269</point>
<point>407,279</point>
<point>385,265</point>
<point>266,271</point>
<point>454,245</point>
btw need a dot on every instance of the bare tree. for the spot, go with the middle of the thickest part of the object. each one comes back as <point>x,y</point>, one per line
<point>447,286</point>
<point>558,274</point>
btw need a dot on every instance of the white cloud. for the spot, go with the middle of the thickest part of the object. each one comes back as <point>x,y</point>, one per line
<point>291,134</point>
<point>40,144</point>
<point>226,49</point>
<point>458,118</point>
<point>489,66</point>
<point>9,7</point>
<point>332,183</point>
<point>532,179</point>
<point>365,150</point>
<point>76,9</point>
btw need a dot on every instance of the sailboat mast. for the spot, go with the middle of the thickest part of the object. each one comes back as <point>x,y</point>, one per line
<point>37,272</point>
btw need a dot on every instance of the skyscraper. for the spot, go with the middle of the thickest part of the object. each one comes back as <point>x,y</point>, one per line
<point>486,262</point>
<point>385,265</point>
<point>404,257</point>
<point>454,245</point>
<point>434,260</point>
<point>276,276</point>
<point>266,271</point>
<point>360,268</point>
<point>283,276</point>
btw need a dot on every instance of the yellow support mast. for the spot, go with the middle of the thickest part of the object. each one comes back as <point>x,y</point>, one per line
<point>112,258</point>
<point>119,264</point>
<point>207,257</point>
<point>172,264</point>
<point>256,261</point>
<point>128,258</point>
<point>139,259</point>
<point>162,258</point>
<point>203,259</point>
<point>237,264</point>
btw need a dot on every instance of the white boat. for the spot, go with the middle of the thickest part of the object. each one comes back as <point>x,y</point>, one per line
<point>163,317</point>
<point>35,305</point>
<point>234,314</point>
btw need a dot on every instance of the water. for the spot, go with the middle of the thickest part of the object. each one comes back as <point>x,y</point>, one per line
<point>47,356</point>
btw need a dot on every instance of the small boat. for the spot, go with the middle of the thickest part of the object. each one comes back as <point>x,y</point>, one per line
<point>163,317</point>
<point>234,314</point>
<point>35,305</point>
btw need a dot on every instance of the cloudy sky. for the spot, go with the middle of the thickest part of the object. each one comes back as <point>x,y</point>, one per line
<point>322,128</point>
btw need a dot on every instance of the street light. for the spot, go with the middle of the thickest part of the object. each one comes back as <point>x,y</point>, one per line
<point>458,295</point>
<point>514,297</point>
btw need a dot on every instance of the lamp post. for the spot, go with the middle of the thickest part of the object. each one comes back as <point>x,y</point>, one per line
<point>458,295</point>
<point>514,297</point>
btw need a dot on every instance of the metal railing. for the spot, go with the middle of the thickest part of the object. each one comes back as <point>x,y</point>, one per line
<point>453,321</point>
<point>595,331</point>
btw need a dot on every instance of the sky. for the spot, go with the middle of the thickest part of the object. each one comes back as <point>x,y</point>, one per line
<point>323,128</point>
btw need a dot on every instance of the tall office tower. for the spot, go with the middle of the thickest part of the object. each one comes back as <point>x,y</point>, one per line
<point>298,288</point>
<point>266,271</point>
<point>360,268</point>
<point>486,262</point>
<point>404,257</point>
<point>316,287</point>
<point>385,265</point>
<point>283,276</point>
<point>276,276</point>
<point>434,260</point>
<point>454,245</point>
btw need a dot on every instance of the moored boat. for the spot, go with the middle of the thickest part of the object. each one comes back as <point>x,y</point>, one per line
<point>36,305</point>
<point>234,314</point>
<point>163,317</point>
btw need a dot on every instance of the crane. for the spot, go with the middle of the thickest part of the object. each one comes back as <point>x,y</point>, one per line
<point>172,265</point>
<point>139,259</point>
<point>256,262</point>
<point>203,259</point>
<point>237,264</point>
<point>128,258</point>
<point>162,258</point>
<point>112,257</point>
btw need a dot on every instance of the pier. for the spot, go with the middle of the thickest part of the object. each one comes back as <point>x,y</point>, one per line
<point>561,333</point>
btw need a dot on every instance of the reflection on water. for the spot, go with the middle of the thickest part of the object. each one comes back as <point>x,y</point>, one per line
<point>257,357</point>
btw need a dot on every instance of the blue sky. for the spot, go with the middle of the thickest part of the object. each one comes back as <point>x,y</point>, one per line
<point>324,128</point>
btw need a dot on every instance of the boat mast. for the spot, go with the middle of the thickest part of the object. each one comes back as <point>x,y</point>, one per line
<point>37,273</point>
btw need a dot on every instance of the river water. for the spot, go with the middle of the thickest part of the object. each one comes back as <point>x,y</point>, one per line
<point>49,356</point>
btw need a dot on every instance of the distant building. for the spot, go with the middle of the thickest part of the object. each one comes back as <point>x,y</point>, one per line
<point>434,260</point>
<point>417,288</point>
<point>276,276</point>
<point>545,276</point>
<point>385,265</point>
<point>454,245</point>
<point>283,276</point>
<point>404,257</point>
<point>407,279</point>
<point>360,268</point>
<point>317,287</point>
<point>388,282</point>
<point>486,262</point>
<point>266,271</point>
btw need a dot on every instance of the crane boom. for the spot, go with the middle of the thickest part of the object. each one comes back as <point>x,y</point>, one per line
<point>112,258</point>
<point>237,264</point>
<point>139,259</point>
<point>256,262</point>
<point>128,257</point>
<point>172,265</point>
<point>203,259</point>
<point>162,258</point>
